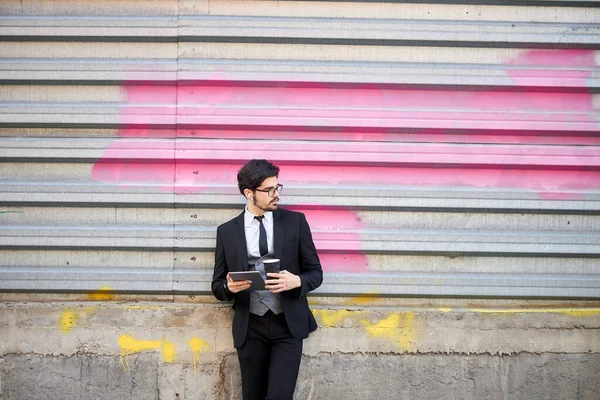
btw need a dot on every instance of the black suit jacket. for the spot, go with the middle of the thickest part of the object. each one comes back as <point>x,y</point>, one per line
<point>294,246</point>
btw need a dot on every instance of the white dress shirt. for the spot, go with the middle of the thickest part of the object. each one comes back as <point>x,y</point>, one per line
<point>252,230</point>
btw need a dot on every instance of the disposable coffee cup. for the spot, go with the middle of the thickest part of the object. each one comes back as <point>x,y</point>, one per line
<point>271,265</point>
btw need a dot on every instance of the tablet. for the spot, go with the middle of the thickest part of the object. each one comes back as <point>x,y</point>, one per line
<point>258,283</point>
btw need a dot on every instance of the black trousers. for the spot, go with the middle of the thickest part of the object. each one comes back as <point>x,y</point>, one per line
<point>269,359</point>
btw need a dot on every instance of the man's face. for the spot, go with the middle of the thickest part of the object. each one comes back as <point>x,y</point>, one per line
<point>262,200</point>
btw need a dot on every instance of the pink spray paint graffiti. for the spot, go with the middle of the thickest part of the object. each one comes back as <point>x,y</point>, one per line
<point>188,139</point>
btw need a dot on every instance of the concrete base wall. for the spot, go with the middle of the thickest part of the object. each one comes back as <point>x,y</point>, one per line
<point>364,349</point>
<point>325,376</point>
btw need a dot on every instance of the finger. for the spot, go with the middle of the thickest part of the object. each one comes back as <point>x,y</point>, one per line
<point>277,287</point>
<point>241,287</point>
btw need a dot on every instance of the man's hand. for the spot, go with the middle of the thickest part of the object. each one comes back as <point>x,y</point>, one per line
<point>282,281</point>
<point>237,286</point>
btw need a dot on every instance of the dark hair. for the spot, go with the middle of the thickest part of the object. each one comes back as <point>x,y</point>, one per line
<point>254,173</point>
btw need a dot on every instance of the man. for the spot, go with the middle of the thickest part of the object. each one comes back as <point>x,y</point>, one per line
<point>268,325</point>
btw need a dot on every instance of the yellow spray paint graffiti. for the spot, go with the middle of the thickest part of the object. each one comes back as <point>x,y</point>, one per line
<point>398,327</point>
<point>67,320</point>
<point>129,345</point>
<point>198,346</point>
<point>332,318</point>
<point>103,294</point>
<point>168,350</point>
<point>363,300</point>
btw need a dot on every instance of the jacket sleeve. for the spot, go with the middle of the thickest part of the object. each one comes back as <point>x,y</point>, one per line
<point>220,271</point>
<point>311,273</point>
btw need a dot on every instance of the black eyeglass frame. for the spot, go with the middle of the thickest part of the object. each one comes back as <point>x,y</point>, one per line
<point>271,191</point>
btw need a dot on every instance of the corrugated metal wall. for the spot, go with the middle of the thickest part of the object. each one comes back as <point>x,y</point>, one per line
<point>437,148</point>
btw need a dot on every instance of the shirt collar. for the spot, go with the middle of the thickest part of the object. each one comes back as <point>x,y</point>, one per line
<point>249,217</point>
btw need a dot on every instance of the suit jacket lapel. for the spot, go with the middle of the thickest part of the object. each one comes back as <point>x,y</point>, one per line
<point>240,235</point>
<point>278,228</point>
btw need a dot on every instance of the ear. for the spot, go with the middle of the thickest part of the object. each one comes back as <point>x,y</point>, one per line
<point>248,194</point>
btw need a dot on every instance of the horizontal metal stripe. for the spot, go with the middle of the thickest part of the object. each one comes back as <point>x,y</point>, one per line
<point>131,8</point>
<point>314,108</point>
<point>443,284</point>
<point>127,23</point>
<point>29,71</point>
<point>306,31</point>
<point>589,205</point>
<point>578,244</point>
<point>83,50</point>
<point>386,32</point>
<point>58,9</point>
<point>375,135</point>
<point>195,261</point>
<point>227,192</point>
<point>88,39</point>
<point>340,220</point>
<point>34,115</point>
<point>184,53</point>
<point>316,18</point>
<point>588,42</point>
<point>417,278</point>
<point>286,73</point>
<point>110,260</point>
<point>89,285</point>
<point>557,42</point>
<point>537,3</point>
<point>74,273</point>
<point>87,64</point>
<point>325,234</point>
<point>362,153</point>
<point>398,11</point>
<point>88,29</point>
<point>343,284</point>
<point>219,95</point>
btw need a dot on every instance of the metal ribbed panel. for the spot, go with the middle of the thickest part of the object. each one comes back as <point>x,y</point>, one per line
<point>437,149</point>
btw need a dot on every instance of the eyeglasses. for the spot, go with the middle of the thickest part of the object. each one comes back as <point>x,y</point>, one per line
<point>271,191</point>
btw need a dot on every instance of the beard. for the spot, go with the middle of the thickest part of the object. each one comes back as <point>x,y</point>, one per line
<point>270,206</point>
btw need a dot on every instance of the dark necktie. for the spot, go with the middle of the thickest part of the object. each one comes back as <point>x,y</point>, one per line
<point>262,238</point>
